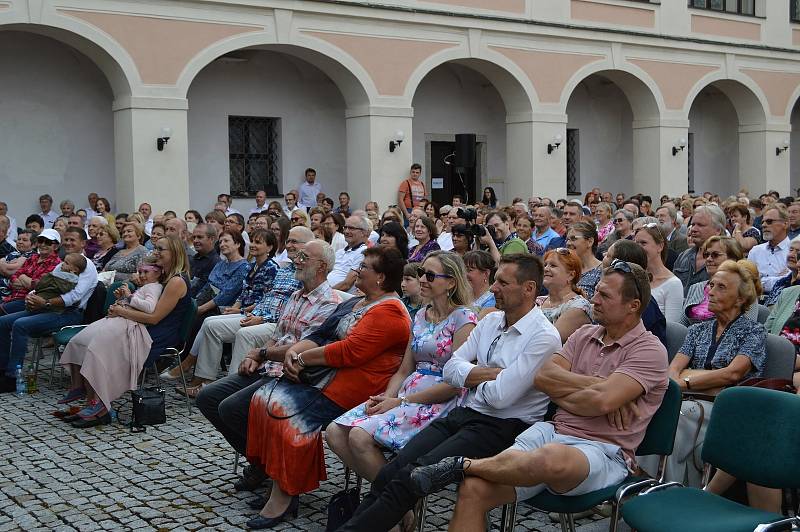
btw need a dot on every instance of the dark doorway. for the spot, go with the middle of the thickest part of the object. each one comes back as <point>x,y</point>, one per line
<point>445,179</point>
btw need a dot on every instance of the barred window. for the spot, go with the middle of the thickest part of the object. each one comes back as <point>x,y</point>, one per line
<point>794,10</point>
<point>573,162</point>
<point>253,147</point>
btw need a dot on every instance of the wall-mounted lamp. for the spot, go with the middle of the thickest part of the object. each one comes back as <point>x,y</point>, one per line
<point>555,144</point>
<point>782,148</point>
<point>161,141</point>
<point>398,139</point>
<point>678,147</point>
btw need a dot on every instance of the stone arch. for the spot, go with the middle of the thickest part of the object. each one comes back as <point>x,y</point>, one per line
<point>352,80</point>
<point>104,52</point>
<point>641,91</point>
<point>514,87</point>
<point>745,95</point>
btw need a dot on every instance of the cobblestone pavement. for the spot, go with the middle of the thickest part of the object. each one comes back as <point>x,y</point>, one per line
<point>176,476</point>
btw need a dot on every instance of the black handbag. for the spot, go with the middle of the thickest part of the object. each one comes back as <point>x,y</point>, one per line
<point>149,408</point>
<point>341,508</point>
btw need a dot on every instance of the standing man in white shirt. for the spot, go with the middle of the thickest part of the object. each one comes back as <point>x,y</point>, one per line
<point>147,213</point>
<point>770,257</point>
<point>261,203</point>
<point>348,260</point>
<point>497,363</point>
<point>309,189</point>
<point>48,214</point>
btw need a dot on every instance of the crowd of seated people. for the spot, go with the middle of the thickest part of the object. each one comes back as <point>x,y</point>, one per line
<point>440,333</point>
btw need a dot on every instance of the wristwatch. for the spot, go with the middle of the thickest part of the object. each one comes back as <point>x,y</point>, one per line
<point>262,353</point>
<point>688,383</point>
<point>403,401</point>
<point>47,304</point>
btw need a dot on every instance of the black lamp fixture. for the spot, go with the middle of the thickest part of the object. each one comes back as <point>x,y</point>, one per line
<point>782,148</point>
<point>555,144</point>
<point>161,141</point>
<point>678,147</point>
<point>398,139</point>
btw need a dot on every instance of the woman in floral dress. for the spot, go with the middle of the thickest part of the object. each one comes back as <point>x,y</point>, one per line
<point>416,394</point>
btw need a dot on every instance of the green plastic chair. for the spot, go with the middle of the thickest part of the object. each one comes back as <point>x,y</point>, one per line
<point>62,337</point>
<point>753,434</point>
<point>658,440</point>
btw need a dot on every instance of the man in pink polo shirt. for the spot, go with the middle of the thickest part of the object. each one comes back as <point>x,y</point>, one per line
<point>608,380</point>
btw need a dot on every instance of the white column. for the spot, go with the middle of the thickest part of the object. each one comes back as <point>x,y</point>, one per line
<point>760,168</point>
<point>373,172</point>
<point>656,171</point>
<point>143,173</point>
<point>531,170</point>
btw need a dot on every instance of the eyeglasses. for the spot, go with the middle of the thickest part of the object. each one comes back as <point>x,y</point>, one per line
<point>363,266</point>
<point>621,266</point>
<point>714,254</point>
<point>159,249</point>
<point>303,257</point>
<point>770,221</point>
<point>432,276</point>
<point>574,238</point>
<point>350,227</point>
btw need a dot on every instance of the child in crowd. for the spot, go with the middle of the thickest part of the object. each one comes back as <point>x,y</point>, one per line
<point>61,280</point>
<point>111,352</point>
<point>411,292</point>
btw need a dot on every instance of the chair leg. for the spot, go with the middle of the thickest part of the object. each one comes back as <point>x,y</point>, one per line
<point>567,522</point>
<point>508,517</point>
<point>53,364</point>
<point>36,343</point>
<point>183,383</point>
<point>236,463</point>
<point>422,509</point>
<point>612,524</point>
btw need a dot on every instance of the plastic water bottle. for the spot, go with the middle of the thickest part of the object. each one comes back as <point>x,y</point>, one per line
<point>113,415</point>
<point>21,388</point>
<point>31,380</point>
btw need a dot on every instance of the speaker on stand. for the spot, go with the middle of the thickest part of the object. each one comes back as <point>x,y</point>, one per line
<point>464,158</point>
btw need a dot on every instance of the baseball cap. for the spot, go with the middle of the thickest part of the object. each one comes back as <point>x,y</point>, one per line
<point>50,234</point>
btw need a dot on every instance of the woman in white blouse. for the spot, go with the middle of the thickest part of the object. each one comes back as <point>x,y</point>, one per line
<point>665,288</point>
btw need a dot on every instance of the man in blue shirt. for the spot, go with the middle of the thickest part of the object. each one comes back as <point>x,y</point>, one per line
<point>543,233</point>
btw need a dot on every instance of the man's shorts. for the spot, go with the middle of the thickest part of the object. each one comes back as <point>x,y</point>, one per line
<point>606,461</point>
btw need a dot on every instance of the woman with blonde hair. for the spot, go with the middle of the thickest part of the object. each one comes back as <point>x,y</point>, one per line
<point>665,287</point>
<point>415,395</point>
<point>565,305</point>
<point>300,218</point>
<point>127,259</point>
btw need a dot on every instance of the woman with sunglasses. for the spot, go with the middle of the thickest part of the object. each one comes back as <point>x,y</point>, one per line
<point>623,230</point>
<point>565,305</point>
<point>715,251</point>
<point>364,340</point>
<point>37,265</point>
<point>416,395</point>
<point>665,287</point>
<point>299,218</point>
<point>163,326</point>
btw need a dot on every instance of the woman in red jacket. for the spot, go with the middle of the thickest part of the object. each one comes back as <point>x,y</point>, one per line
<point>364,346</point>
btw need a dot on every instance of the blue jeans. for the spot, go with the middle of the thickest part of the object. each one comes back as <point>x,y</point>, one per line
<point>15,329</point>
<point>17,305</point>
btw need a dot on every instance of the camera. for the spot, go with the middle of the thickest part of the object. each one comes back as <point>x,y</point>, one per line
<point>479,231</point>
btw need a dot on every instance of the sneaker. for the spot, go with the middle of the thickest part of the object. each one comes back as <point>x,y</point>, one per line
<point>75,394</point>
<point>435,477</point>
<point>94,409</point>
<point>252,477</point>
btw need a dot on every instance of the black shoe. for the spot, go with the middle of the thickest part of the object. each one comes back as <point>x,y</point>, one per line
<point>435,477</point>
<point>260,522</point>
<point>105,419</point>
<point>8,384</point>
<point>251,479</point>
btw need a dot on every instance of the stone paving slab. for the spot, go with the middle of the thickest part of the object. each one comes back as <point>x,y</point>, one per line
<point>177,476</point>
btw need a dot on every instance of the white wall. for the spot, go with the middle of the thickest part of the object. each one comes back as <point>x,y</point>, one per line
<point>56,125</point>
<point>602,114</point>
<point>454,99</point>
<point>794,151</point>
<point>312,128</point>
<point>715,125</point>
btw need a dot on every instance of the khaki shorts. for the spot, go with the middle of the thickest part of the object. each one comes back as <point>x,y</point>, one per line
<point>606,461</point>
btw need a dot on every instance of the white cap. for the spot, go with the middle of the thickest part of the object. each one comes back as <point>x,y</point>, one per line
<point>50,234</point>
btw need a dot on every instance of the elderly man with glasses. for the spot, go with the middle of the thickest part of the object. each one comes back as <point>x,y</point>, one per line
<point>607,381</point>
<point>770,257</point>
<point>343,275</point>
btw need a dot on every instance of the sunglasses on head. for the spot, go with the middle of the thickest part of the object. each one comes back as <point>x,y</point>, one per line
<point>562,251</point>
<point>431,276</point>
<point>623,267</point>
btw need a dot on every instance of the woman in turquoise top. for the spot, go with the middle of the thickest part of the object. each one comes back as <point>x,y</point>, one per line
<point>416,394</point>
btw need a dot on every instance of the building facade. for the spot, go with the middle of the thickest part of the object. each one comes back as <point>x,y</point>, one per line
<point>563,95</point>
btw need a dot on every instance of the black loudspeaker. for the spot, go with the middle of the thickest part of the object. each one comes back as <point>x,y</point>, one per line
<point>465,150</point>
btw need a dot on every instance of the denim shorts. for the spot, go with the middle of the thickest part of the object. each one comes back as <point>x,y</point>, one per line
<point>606,461</point>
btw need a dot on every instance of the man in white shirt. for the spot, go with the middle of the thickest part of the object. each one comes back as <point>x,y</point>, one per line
<point>11,237</point>
<point>445,238</point>
<point>348,260</point>
<point>261,203</point>
<point>770,257</point>
<point>497,363</point>
<point>48,214</point>
<point>228,200</point>
<point>146,211</point>
<point>90,210</point>
<point>291,203</point>
<point>309,189</point>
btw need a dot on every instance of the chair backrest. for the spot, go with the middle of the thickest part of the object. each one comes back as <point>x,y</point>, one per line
<point>780,359</point>
<point>94,306</point>
<point>753,434</point>
<point>660,435</point>
<point>188,319</point>
<point>763,314</point>
<point>676,334</point>
<point>110,298</point>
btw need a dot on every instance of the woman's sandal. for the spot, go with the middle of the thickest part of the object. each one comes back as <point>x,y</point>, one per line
<point>191,391</point>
